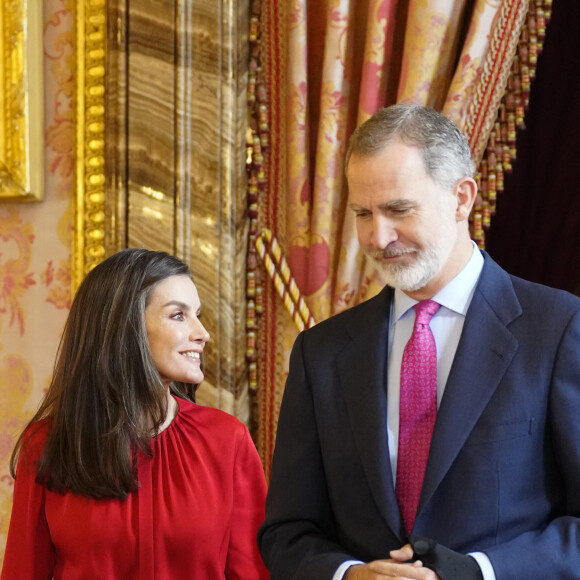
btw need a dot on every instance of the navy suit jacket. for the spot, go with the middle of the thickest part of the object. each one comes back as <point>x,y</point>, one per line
<point>503,474</point>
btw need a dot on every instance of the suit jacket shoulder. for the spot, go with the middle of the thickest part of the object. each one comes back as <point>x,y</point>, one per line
<point>511,297</point>
<point>368,319</point>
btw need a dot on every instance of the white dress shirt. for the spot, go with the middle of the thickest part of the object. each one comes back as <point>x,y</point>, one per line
<point>446,325</point>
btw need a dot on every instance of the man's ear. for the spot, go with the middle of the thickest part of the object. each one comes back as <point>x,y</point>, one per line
<point>465,192</point>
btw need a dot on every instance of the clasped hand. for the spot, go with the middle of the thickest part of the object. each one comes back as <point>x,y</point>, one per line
<point>398,566</point>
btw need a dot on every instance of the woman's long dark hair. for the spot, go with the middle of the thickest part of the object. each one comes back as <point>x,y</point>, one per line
<point>106,398</point>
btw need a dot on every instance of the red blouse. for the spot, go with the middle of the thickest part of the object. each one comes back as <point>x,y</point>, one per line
<point>195,515</point>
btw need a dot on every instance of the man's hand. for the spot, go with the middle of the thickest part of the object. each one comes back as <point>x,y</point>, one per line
<point>448,564</point>
<point>398,567</point>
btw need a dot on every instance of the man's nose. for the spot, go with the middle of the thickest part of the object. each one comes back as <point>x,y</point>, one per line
<point>383,232</point>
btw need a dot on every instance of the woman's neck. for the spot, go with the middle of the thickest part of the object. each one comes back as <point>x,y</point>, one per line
<point>172,408</point>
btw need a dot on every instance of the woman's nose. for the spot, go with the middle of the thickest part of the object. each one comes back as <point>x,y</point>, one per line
<point>198,332</point>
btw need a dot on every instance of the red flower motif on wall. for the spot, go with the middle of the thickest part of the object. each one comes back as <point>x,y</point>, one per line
<point>15,276</point>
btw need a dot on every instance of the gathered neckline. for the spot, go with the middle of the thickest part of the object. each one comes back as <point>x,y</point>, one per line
<point>178,401</point>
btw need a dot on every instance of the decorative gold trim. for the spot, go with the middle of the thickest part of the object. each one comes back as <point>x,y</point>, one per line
<point>280,274</point>
<point>21,98</point>
<point>499,141</point>
<point>89,237</point>
<point>496,70</point>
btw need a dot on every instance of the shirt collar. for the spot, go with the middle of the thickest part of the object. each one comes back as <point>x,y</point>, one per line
<point>455,296</point>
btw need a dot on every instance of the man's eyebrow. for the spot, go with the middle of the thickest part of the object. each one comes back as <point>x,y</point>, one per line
<point>397,203</point>
<point>387,205</point>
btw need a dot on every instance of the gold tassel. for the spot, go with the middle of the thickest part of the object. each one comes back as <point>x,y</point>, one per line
<point>500,153</point>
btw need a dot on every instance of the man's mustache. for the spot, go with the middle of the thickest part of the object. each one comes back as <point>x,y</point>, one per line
<point>390,252</point>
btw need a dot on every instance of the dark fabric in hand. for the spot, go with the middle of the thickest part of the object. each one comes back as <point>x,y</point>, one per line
<point>446,563</point>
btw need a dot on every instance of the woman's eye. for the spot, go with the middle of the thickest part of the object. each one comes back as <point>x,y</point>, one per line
<point>178,316</point>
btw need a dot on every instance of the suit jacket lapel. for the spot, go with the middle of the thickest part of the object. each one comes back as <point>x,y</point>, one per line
<point>485,351</point>
<point>362,369</point>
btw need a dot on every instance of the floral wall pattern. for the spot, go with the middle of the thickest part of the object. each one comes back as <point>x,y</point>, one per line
<point>35,252</point>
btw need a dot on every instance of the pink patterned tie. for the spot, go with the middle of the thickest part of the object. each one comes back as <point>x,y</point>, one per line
<point>417,410</point>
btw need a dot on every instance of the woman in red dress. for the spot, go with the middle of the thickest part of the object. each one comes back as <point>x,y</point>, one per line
<point>120,475</point>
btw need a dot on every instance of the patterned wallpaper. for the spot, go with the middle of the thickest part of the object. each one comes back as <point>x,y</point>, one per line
<point>35,254</point>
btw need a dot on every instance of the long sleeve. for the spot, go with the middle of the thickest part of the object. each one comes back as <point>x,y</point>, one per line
<point>554,551</point>
<point>29,551</point>
<point>298,537</point>
<point>244,561</point>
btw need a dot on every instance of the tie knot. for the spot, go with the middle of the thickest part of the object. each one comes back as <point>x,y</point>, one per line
<point>425,310</point>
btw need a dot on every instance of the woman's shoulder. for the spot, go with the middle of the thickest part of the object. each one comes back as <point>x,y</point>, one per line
<point>36,433</point>
<point>209,428</point>
<point>209,416</point>
<point>32,443</point>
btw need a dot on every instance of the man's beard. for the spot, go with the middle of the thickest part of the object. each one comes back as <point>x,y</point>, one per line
<point>426,264</point>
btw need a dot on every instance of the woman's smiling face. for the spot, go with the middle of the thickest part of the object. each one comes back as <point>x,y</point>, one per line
<point>176,335</point>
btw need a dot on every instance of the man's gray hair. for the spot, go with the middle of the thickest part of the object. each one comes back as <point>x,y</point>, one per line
<point>445,149</point>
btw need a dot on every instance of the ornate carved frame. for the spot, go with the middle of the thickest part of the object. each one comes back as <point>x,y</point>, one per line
<point>21,101</point>
<point>89,233</point>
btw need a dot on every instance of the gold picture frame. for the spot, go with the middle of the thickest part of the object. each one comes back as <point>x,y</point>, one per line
<point>21,101</point>
<point>89,234</point>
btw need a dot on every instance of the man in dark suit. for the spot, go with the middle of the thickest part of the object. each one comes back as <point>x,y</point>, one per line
<point>500,482</point>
